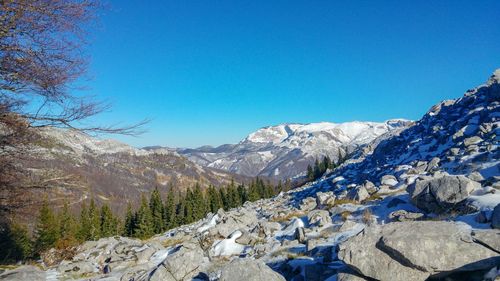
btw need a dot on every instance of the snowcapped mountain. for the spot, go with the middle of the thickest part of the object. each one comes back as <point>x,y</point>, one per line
<point>285,150</point>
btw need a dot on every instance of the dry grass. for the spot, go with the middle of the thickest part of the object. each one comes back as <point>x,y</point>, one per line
<point>288,216</point>
<point>344,215</point>
<point>367,216</point>
<point>171,242</point>
<point>345,201</point>
<point>373,197</point>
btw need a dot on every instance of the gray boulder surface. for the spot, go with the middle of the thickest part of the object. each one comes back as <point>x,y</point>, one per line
<point>248,270</point>
<point>441,194</point>
<point>417,250</point>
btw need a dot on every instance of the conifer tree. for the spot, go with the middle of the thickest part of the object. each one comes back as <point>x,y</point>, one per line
<point>253,193</point>
<point>47,229</point>
<point>169,211</point>
<point>156,206</point>
<point>224,199</point>
<point>242,194</point>
<point>109,224</point>
<point>129,224</point>
<point>199,206</point>
<point>180,209</point>
<point>94,220</point>
<point>68,228</point>
<point>84,227</point>
<point>144,226</point>
<point>310,173</point>
<point>15,243</point>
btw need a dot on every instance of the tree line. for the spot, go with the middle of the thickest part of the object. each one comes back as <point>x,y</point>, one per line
<point>155,215</point>
<point>320,167</point>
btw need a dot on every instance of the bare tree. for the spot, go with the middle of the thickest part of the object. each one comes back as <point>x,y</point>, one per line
<point>41,61</point>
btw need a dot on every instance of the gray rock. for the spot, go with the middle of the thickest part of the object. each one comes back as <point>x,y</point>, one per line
<point>308,204</point>
<point>403,215</point>
<point>370,187</point>
<point>325,199</point>
<point>433,164</point>
<point>266,228</point>
<point>23,273</point>
<point>81,267</point>
<point>436,247</point>
<point>416,250</point>
<point>389,180</point>
<point>476,176</point>
<point>300,235</point>
<point>495,217</point>
<point>359,193</point>
<point>441,194</point>
<point>185,262</point>
<point>488,238</point>
<point>472,140</point>
<point>361,254</point>
<point>249,270</point>
<point>319,217</point>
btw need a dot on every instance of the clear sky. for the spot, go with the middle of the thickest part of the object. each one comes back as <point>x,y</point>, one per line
<point>210,72</point>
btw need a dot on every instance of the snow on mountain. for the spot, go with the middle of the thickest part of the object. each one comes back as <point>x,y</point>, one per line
<point>285,150</point>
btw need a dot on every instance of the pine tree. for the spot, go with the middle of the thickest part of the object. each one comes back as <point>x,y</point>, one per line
<point>327,163</point>
<point>253,192</point>
<point>199,206</point>
<point>180,210</point>
<point>242,194</point>
<point>310,173</point>
<point>129,224</point>
<point>169,211</point>
<point>47,230</point>
<point>156,207</point>
<point>317,169</point>
<point>84,229</point>
<point>15,243</point>
<point>144,227</point>
<point>109,224</point>
<point>68,228</point>
<point>94,220</point>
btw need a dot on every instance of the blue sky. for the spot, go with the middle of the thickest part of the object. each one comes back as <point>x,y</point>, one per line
<point>210,72</point>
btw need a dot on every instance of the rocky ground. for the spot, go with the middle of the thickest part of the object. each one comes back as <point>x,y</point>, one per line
<point>424,204</point>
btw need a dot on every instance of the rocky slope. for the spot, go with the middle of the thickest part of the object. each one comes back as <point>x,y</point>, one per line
<point>423,204</point>
<point>284,151</point>
<point>73,166</point>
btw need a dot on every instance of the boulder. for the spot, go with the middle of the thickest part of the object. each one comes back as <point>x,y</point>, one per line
<point>300,235</point>
<point>79,268</point>
<point>249,270</point>
<point>472,140</point>
<point>325,199</point>
<point>488,238</point>
<point>370,187</point>
<point>403,215</point>
<point>495,217</point>
<point>23,273</point>
<point>361,255</point>
<point>308,204</point>
<point>433,164</point>
<point>319,217</point>
<point>441,194</point>
<point>389,180</point>
<point>416,251</point>
<point>359,193</point>
<point>185,262</point>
